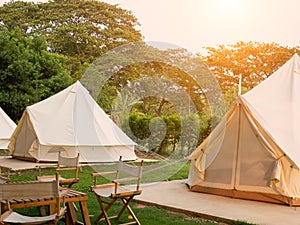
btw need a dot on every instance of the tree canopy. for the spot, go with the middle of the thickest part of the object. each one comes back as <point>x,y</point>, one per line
<point>153,75</point>
<point>253,61</point>
<point>74,28</point>
<point>41,44</point>
<point>28,72</point>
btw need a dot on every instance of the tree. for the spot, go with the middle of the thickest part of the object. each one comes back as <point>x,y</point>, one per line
<point>153,75</point>
<point>75,28</point>
<point>28,72</point>
<point>252,60</point>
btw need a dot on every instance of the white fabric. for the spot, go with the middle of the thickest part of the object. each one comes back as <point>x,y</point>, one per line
<point>7,127</point>
<point>15,164</point>
<point>71,121</point>
<point>107,191</point>
<point>275,103</point>
<point>276,173</point>
<point>255,148</point>
<point>15,217</point>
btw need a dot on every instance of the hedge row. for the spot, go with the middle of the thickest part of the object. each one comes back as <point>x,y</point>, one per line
<point>176,135</point>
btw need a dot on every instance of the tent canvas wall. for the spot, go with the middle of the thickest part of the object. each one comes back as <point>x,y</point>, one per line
<point>7,127</point>
<point>70,121</point>
<point>254,152</point>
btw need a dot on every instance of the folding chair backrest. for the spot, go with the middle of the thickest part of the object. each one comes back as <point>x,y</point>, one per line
<point>134,171</point>
<point>27,190</point>
<point>68,163</point>
<point>125,170</point>
<point>31,190</point>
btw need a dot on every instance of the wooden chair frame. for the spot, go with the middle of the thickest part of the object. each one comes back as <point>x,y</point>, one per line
<point>64,164</point>
<point>120,188</point>
<point>32,190</point>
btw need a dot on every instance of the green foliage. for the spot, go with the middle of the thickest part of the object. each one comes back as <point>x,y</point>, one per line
<point>168,134</point>
<point>79,29</point>
<point>28,72</point>
<point>231,95</point>
<point>164,81</point>
<point>182,173</point>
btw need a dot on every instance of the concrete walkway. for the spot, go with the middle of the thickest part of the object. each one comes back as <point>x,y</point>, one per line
<point>174,195</point>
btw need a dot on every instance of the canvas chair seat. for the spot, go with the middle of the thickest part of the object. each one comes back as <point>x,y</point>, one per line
<point>48,178</point>
<point>109,191</point>
<point>123,187</point>
<point>18,218</point>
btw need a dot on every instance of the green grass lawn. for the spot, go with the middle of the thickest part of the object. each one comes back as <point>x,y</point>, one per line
<point>147,215</point>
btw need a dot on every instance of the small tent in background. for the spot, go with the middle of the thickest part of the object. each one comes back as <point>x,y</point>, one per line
<point>7,127</point>
<point>69,121</point>
<point>254,153</point>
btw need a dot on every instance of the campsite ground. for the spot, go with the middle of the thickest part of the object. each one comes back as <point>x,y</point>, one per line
<point>147,215</point>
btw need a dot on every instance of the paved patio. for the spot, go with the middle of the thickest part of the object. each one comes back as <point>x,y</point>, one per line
<point>174,195</point>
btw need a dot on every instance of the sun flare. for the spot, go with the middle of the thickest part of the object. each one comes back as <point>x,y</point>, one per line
<point>229,5</point>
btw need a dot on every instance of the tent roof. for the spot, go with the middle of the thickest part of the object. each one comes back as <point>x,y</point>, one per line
<point>72,117</point>
<point>6,124</point>
<point>275,103</point>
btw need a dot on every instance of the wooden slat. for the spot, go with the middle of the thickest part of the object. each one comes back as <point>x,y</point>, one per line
<point>72,196</point>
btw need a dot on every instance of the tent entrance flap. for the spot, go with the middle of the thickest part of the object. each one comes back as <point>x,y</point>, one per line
<point>255,162</point>
<point>221,170</point>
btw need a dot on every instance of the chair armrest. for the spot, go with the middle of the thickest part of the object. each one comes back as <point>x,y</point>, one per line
<point>101,174</point>
<point>125,179</point>
<point>40,167</point>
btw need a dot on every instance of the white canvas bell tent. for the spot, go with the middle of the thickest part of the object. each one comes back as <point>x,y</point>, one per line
<point>69,121</point>
<point>7,127</point>
<point>254,153</point>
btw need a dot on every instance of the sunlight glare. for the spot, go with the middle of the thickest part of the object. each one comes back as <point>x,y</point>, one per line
<point>229,5</point>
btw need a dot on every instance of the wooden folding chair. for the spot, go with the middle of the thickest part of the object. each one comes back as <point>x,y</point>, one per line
<point>124,186</point>
<point>64,164</point>
<point>19,191</point>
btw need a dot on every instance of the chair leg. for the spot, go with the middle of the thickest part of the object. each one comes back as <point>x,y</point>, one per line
<point>104,210</point>
<point>127,206</point>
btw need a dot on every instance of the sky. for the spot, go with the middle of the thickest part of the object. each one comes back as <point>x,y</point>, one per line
<point>194,24</point>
